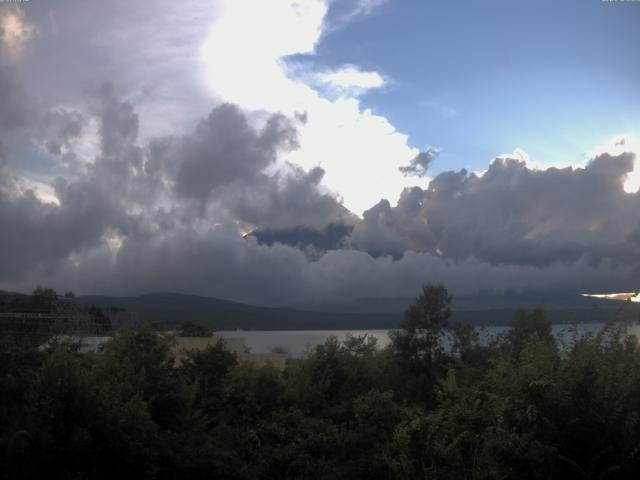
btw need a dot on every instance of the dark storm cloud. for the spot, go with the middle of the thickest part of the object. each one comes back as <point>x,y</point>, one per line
<point>6,180</point>
<point>169,214</point>
<point>119,124</point>
<point>122,165</point>
<point>420,164</point>
<point>219,170</point>
<point>58,128</point>
<point>511,215</point>
<point>150,49</point>
<point>40,237</point>
<point>394,230</point>
<point>513,227</point>
<point>225,148</point>
<point>218,262</point>
<point>214,260</point>
<point>289,199</point>
<point>142,195</point>
<point>14,104</point>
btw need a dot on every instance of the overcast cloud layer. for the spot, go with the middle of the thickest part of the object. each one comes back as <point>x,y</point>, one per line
<point>121,174</point>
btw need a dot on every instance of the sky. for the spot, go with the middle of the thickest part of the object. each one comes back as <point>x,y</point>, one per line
<point>300,151</point>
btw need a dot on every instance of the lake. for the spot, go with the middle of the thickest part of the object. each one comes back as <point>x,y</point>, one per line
<point>296,342</point>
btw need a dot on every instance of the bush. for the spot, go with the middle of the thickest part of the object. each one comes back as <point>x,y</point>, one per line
<point>521,407</point>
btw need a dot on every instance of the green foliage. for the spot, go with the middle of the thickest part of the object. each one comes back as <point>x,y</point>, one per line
<point>527,327</point>
<point>45,314</point>
<point>417,345</point>
<point>102,322</point>
<point>435,404</point>
<point>193,329</point>
<point>206,372</point>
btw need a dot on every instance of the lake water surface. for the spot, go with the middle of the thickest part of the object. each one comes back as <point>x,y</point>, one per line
<point>297,342</point>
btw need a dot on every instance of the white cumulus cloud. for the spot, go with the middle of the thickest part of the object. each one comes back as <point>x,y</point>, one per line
<point>360,151</point>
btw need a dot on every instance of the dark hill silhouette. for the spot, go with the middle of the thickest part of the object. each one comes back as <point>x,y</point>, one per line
<point>169,310</point>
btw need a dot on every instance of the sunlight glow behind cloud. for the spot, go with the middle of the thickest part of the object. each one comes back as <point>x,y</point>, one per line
<point>359,150</point>
<point>137,151</point>
<point>15,32</point>
<point>243,53</point>
<point>619,144</point>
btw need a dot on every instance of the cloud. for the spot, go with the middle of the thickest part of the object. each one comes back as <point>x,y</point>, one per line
<point>350,81</point>
<point>14,108</point>
<point>626,142</point>
<point>220,263</point>
<point>190,56</point>
<point>225,148</point>
<point>16,115</point>
<point>59,129</point>
<point>15,31</point>
<point>343,12</point>
<point>153,60</point>
<point>170,213</point>
<point>288,199</point>
<point>39,238</point>
<point>224,170</point>
<point>135,192</point>
<point>156,180</point>
<point>244,53</point>
<point>367,7</point>
<point>124,226</point>
<point>258,74</point>
<point>513,215</point>
<point>387,230</point>
<point>420,164</point>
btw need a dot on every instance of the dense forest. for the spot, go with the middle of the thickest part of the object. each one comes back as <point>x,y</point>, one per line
<point>526,405</point>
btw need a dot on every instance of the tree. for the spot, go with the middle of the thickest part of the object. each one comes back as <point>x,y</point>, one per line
<point>418,343</point>
<point>44,292</point>
<point>143,361</point>
<point>527,327</point>
<point>43,300</point>
<point>464,338</point>
<point>193,329</point>
<point>101,321</point>
<point>420,334</point>
<point>207,370</point>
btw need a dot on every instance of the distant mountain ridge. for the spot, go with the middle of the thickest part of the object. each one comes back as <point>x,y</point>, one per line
<point>169,310</point>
